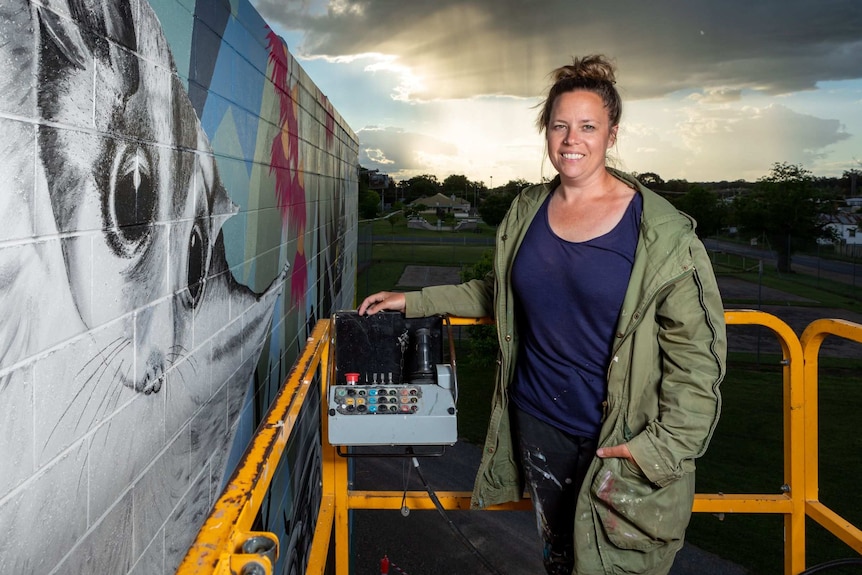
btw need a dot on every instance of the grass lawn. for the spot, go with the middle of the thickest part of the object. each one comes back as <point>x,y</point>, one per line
<point>389,260</point>
<point>824,292</point>
<point>746,456</point>
<point>746,453</point>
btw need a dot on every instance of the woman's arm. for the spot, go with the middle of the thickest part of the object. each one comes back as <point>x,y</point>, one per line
<point>474,298</point>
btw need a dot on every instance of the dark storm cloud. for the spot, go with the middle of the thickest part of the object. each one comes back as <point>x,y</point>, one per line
<point>463,49</point>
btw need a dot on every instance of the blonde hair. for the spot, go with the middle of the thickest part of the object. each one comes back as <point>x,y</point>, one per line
<point>594,73</point>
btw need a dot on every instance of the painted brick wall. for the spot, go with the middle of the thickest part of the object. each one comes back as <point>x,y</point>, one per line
<point>178,206</point>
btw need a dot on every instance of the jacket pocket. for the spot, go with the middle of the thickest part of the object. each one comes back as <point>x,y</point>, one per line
<point>636,514</point>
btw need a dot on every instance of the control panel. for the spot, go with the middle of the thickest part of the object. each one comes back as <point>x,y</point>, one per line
<point>383,399</point>
<point>389,385</point>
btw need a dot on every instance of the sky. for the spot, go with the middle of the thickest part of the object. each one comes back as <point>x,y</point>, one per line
<point>712,90</point>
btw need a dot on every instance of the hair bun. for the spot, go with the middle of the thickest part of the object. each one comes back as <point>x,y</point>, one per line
<point>594,68</point>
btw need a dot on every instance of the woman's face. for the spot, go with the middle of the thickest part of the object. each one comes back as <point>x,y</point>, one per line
<point>579,134</point>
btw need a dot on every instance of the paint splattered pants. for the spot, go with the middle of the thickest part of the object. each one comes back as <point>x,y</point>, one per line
<point>555,464</point>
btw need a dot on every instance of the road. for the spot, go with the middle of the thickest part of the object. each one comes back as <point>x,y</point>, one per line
<point>845,272</point>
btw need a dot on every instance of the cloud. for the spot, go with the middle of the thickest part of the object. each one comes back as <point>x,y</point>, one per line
<point>454,49</point>
<point>401,153</point>
<point>707,139</point>
<point>717,96</point>
<point>712,90</point>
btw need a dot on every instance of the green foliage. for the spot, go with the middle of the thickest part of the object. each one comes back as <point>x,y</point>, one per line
<point>514,186</point>
<point>369,204</point>
<point>475,390</point>
<point>705,208</point>
<point>850,182</point>
<point>483,266</point>
<point>678,186</point>
<point>423,186</point>
<point>746,456</point>
<point>787,208</point>
<point>395,220</point>
<point>455,184</point>
<point>483,344</point>
<point>650,180</point>
<point>494,208</point>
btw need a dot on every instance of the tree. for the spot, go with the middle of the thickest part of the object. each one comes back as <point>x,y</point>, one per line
<point>455,184</point>
<point>395,220</point>
<point>403,187</point>
<point>423,186</point>
<point>369,204</point>
<point>853,178</point>
<point>705,208</point>
<point>785,207</point>
<point>678,186</point>
<point>513,186</point>
<point>494,207</point>
<point>462,187</point>
<point>650,179</point>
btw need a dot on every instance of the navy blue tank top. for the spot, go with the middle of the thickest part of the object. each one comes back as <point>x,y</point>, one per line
<point>567,300</point>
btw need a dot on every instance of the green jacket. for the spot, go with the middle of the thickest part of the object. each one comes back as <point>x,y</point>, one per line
<point>662,400</point>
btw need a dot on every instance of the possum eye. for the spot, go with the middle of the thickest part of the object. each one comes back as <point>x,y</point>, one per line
<point>197,264</point>
<point>130,203</point>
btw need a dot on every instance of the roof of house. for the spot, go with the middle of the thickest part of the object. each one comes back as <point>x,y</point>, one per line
<point>842,218</point>
<point>439,200</point>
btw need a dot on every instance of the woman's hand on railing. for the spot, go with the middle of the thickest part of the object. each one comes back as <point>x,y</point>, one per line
<point>383,300</point>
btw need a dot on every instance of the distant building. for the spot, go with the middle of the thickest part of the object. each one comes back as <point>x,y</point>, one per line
<point>847,228</point>
<point>376,180</point>
<point>448,203</point>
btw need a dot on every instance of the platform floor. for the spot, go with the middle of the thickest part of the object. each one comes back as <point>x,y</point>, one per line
<point>424,544</point>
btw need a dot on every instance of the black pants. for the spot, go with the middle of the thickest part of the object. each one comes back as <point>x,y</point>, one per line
<point>554,464</point>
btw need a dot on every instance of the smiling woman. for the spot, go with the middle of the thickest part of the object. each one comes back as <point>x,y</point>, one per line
<point>600,291</point>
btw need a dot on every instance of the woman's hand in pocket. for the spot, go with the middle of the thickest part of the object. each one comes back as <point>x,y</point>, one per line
<point>619,452</point>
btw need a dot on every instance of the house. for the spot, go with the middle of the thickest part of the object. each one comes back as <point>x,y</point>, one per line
<point>847,228</point>
<point>448,203</point>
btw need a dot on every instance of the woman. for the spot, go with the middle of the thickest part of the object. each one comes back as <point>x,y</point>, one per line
<point>612,347</point>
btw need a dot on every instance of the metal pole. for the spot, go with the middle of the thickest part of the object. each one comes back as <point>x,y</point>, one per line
<point>759,302</point>
<point>818,262</point>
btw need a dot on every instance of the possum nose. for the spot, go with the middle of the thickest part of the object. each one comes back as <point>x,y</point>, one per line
<point>154,377</point>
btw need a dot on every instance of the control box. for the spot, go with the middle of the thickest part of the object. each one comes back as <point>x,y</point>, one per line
<point>389,384</point>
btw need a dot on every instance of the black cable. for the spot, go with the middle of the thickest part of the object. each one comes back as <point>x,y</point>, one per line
<point>832,564</point>
<point>469,544</point>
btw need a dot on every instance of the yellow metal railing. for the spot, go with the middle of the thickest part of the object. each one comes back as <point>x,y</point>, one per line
<point>811,340</point>
<point>227,544</point>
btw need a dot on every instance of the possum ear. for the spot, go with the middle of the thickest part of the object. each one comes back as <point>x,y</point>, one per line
<point>64,37</point>
<point>91,24</point>
<point>93,29</point>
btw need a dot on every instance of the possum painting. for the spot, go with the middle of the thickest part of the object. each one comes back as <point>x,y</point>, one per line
<point>126,341</point>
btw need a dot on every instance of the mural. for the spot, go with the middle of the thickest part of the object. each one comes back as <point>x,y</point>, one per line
<point>178,206</point>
